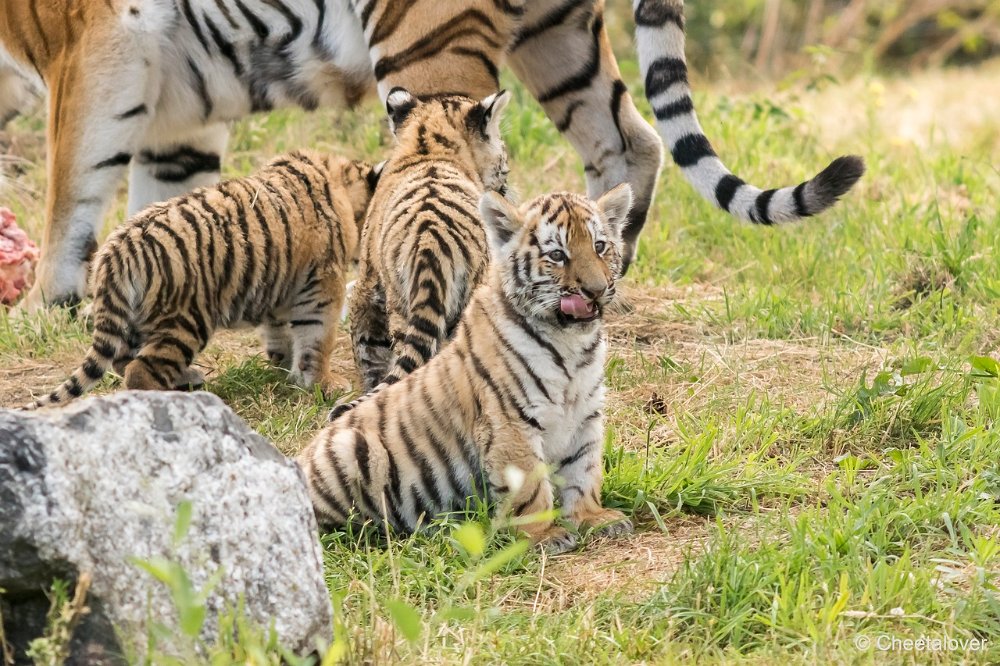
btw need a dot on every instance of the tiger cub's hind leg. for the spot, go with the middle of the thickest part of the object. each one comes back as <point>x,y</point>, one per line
<point>164,362</point>
<point>189,379</point>
<point>313,329</point>
<point>276,335</point>
<point>370,334</point>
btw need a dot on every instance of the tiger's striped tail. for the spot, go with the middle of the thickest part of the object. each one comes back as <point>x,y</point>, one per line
<point>660,42</point>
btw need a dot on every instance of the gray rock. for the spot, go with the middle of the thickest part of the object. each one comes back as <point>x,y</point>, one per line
<point>96,485</point>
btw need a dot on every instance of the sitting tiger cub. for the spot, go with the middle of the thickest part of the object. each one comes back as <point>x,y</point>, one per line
<point>423,250</point>
<point>271,249</point>
<point>517,392</point>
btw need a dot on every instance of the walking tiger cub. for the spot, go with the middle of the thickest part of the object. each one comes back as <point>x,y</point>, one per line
<point>518,392</point>
<point>271,249</point>
<point>423,250</point>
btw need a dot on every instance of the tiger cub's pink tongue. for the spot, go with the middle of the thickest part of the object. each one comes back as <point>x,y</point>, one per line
<point>575,306</point>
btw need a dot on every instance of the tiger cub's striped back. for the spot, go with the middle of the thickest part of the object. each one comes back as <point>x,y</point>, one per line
<point>519,391</point>
<point>423,250</point>
<point>270,250</point>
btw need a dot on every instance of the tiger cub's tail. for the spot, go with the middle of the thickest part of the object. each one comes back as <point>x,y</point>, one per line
<point>111,326</point>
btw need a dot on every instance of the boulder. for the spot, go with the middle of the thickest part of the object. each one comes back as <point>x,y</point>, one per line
<point>97,486</point>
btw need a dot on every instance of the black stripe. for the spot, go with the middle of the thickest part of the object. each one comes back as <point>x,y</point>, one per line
<point>181,163</point>
<point>663,73</point>
<point>618,91</point>
<point>133,112</point>
<point>119,159</point>
<point>441,37</point>
<point>725,190</point>
<point>259,27</point>
<point>419,346</point>
<point>681,107</point>
<point>294,22</point>
<point>361,453</point>
<point>73,387</point>
<point>690,149</point>
<point>656,13</point>
<point>554,18</point>
<point>583,78</point>
<point>800,201</point>
<point>225,47</point>
<point>202,89</point>
<point>104,349</point>
<point>491,68</point>
<point>519,509</point>
<point>516,318</point>
<point>318,484</point>
<point>763,201</point>
<point>193,22</point>
<point>579,453</point>
<point>153,370</point>
<point>567,119</point>
<point>503,396</point>
<point>228,15</point>
<point>91,368</point>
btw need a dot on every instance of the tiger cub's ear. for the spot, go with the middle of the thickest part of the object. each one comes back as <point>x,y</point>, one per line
<point>398,105</point>
<point>484,117</point>
<point>375,174</point>
<point>614,206</point>
<point>500,219</point>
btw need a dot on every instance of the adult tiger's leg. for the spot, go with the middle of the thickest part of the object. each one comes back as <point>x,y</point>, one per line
<point>162,170</point>
<point>98,111</point>
<point>563,55</point>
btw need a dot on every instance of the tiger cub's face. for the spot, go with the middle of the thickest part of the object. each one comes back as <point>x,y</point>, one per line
<point>558,256</point>
<point>454,126</point>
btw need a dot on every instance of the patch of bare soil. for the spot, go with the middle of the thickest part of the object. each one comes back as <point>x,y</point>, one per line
<point>635,565</point>
<point>713,372</point>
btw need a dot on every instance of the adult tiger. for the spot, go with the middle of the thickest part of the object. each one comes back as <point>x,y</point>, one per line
<point>150,84</point>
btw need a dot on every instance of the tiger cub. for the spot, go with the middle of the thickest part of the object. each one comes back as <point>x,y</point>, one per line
<point>515,400</point>
<point>271,249</point>
<point>423,250</point>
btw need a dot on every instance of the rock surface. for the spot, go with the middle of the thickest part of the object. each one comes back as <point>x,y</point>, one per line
<point>97,485</point>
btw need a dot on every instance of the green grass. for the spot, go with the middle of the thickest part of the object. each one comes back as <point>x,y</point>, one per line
<point>805,409</point>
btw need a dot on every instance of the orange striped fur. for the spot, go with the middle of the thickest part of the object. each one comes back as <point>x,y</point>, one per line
<point>270,250</point>
<point>511,409</point>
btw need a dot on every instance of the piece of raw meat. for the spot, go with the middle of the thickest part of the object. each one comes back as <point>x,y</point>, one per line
<point>18,255</point>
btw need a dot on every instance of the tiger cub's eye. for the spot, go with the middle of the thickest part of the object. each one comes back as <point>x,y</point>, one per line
<point>599,247</point>
<point>557,256</point>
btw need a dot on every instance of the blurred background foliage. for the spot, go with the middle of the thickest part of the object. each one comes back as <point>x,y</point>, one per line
<point>776,38</point>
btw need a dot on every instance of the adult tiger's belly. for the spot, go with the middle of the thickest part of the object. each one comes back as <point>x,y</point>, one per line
<point>215,67</point>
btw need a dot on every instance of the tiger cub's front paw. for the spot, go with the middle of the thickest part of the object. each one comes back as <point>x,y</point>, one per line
<point>608,523</point>
<point>556,540</point>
